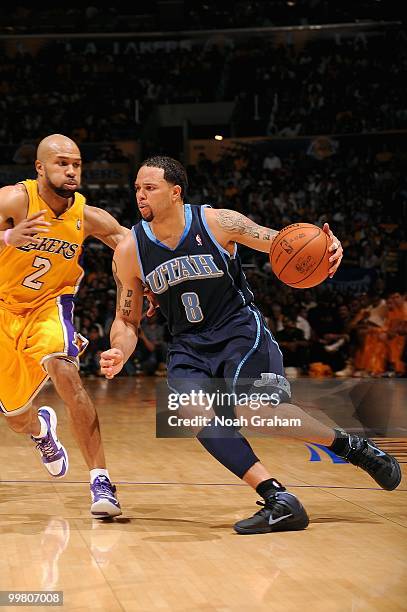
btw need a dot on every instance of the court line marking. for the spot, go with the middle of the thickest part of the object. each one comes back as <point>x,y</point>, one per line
<point>386,518</point>
<point>197,484</point>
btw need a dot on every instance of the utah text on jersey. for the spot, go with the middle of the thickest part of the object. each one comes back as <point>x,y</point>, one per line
<point>181,269</point>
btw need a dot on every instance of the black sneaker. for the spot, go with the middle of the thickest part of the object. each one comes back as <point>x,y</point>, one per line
<point>383,468</point>
<point>281,511</point>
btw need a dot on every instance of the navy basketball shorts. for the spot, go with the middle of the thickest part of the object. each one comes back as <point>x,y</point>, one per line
<point>232,355</point>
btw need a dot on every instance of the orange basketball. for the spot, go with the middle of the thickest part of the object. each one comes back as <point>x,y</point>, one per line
<point>299,255</point>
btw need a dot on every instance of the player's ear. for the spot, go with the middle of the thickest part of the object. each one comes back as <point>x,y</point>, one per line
<point>176,192</point>
<point>39,166</point>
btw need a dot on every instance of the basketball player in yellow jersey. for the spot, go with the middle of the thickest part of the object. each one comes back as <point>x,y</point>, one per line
<point>43,224</point>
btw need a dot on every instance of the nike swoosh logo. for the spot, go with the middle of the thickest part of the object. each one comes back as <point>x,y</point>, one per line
<point>277,520</point>
<point>376,450</point>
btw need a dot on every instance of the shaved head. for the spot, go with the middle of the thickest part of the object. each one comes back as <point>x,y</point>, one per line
<point>57,144</point>
<point>58,166</point>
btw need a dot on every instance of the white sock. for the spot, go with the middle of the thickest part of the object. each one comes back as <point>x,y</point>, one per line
<point>98,472</point>
<point>44,428</point>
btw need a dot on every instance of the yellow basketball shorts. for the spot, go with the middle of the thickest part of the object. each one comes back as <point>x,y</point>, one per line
<point>27,342</point>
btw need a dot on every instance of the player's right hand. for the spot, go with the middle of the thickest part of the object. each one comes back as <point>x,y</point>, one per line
<point>111,362</point>
<point>26,230</point>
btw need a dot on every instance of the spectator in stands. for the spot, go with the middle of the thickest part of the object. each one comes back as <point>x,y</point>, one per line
<point>293,345</point>
<point>368,259</point>
<point>396,324</point>
<point>97,344</point>
<point>272,162</point>
<point>152,347</point>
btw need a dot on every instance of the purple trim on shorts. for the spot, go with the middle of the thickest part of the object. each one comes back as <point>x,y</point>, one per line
<point>67,303</point>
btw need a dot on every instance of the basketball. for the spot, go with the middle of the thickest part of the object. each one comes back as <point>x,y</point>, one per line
<point>299,255</point>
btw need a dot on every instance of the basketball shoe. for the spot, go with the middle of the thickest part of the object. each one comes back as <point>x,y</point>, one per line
<point>54,455</point>
<point>383,468</point>
<point>104,501</point>
<point>281,511</point>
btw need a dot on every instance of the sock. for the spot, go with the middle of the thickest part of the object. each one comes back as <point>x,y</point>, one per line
<point>43,430</point>
<point>98,472</point>
<point>341,444</point>
<point>267,487</point>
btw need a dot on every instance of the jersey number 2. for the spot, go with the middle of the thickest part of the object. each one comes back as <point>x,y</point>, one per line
<point>192,307</point>
<point>43,266</point>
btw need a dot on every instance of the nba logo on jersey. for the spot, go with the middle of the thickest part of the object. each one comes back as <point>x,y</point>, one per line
<point>198,240</point>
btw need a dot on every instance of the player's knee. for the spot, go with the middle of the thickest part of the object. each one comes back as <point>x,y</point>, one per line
<point>58,366</point>
<point>270,391</point>
<point>192,411</point>
<point>64,375</point>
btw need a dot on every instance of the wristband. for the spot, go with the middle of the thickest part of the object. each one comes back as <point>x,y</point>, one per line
<point>5,236</point>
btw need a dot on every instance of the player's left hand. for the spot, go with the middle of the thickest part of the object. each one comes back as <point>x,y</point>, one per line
<point>152,302</point>
<point>335,249</point>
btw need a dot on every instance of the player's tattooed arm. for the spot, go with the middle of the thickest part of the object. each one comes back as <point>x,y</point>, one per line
<point>124,301</point>
<point>231,226</point>
<point>129,304</point>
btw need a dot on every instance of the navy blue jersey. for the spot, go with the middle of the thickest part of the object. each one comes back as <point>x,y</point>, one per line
<point>198,285</point>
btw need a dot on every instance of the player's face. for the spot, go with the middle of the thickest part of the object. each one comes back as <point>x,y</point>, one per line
<point>62,172</point>
<point>153,193</point>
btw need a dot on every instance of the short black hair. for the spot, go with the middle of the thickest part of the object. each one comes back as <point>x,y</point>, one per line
<point>174,171</point>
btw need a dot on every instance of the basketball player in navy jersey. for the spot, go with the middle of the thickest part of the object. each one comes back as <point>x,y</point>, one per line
<point>187,255</point>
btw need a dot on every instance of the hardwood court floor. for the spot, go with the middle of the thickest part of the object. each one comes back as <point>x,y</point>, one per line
<point>174,548</point>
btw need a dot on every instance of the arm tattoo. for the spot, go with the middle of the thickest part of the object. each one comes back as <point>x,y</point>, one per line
<point>231,221</point>
<point>234,222</point>
<point>119,285</point>
<point>127,308</point>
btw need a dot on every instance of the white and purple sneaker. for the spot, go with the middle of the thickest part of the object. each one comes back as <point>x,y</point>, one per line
<point>54,455</point>
<point>104,502</point>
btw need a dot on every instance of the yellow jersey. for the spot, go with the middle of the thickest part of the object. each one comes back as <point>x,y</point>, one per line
<point>33,274</point>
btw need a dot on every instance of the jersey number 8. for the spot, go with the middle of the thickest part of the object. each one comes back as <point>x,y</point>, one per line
<point>192,307</point>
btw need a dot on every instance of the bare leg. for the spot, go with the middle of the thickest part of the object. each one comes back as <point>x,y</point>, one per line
<point>82,414</point>
<point>26,422</point>
<point>256,474</point>
<point>308,429</point>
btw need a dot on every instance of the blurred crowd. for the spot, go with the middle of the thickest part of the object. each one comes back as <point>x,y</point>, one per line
<point>191,15</point>
<point>334,329</point>
<point>325,86</point>
<point>329,86</point>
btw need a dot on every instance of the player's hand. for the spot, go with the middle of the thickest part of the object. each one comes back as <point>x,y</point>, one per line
<point>26,230</point>
<point>335,249</point>
<point>111,362</point>
<point>152,302</point>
